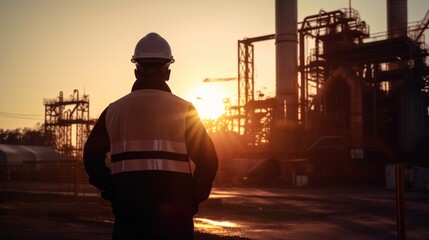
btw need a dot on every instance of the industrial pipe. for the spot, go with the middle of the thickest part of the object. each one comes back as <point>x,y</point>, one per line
<point>356,98</point>
<point>286,25</point>
<point>397,18</point>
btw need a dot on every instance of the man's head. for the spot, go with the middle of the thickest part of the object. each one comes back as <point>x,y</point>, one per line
<point>152,57</point>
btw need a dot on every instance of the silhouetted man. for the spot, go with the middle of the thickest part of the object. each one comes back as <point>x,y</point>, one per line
<point>152,136</point>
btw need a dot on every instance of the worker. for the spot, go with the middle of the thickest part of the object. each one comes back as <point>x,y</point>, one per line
<point>163,162</point>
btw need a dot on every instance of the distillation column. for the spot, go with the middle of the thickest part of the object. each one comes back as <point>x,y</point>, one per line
<point>397,18</point>
<point>286,26</point>
<point>397,23</point>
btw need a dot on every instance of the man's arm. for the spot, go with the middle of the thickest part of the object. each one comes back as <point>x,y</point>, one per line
<point>202,152</point>
<point>94,154</point>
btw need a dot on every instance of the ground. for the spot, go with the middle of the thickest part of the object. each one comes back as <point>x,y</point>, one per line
<point>348,212</point>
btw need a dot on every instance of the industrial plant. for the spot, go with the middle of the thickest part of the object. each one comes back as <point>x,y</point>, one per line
<point>350,107</point>
<point>357,104</point>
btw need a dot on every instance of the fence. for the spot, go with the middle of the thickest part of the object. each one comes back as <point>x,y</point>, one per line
<point>54,186</point>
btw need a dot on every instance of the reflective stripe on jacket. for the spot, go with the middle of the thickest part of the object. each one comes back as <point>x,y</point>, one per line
<point>147,132</point>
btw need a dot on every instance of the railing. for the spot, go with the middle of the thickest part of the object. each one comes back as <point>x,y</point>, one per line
<point>415,31</point>
<point>420,27</point>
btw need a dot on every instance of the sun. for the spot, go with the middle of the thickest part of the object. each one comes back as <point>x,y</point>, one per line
<point>208,100</point>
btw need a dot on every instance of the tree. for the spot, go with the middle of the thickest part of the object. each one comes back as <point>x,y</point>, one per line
<point>27,136</point>
<point>10,136</point>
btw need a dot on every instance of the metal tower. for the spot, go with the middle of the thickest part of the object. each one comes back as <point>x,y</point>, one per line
<point>65,116</point>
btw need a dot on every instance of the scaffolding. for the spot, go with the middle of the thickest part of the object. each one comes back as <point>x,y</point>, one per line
<point>65,116</point>
<point>252,117</point>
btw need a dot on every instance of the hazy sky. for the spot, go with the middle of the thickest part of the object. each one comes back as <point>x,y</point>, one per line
<point>48,46</point>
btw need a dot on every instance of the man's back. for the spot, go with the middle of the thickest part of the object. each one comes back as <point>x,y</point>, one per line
<point>150,165</point>
<point>150,112</point>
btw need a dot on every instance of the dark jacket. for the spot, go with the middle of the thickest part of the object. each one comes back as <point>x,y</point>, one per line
<point>137,192</point>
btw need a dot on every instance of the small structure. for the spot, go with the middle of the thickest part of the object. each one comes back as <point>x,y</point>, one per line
<point>29,160</point>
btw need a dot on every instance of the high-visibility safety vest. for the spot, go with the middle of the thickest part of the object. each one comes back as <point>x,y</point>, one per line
<point>147,132</point>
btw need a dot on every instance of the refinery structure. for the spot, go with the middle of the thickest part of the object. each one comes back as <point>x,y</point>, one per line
<point>354,104</point>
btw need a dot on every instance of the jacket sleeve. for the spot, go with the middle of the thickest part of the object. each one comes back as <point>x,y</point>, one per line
<point>202,152</point>
<point>96,148</point>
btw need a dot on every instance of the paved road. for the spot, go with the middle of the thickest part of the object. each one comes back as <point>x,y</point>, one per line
<point>331,213</point>
<point>354,213</point>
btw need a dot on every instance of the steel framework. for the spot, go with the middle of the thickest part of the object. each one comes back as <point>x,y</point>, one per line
<point>329,30</point>
<point>343,49</point>
<point>248,116</point>
<point>63,116</point>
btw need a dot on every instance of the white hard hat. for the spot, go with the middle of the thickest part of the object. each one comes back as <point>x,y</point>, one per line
<point>153,47</point>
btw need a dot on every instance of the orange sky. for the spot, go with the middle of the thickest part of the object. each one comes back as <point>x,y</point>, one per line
<point>48,46</point>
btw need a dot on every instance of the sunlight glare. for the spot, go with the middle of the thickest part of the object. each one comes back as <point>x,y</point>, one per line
<point>208,223</point>
<point>208,100</point>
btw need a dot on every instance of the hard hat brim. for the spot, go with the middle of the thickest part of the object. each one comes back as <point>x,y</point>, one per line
<point>154,60</point>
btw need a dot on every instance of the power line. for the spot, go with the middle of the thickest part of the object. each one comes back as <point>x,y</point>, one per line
<point>21,116</point>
